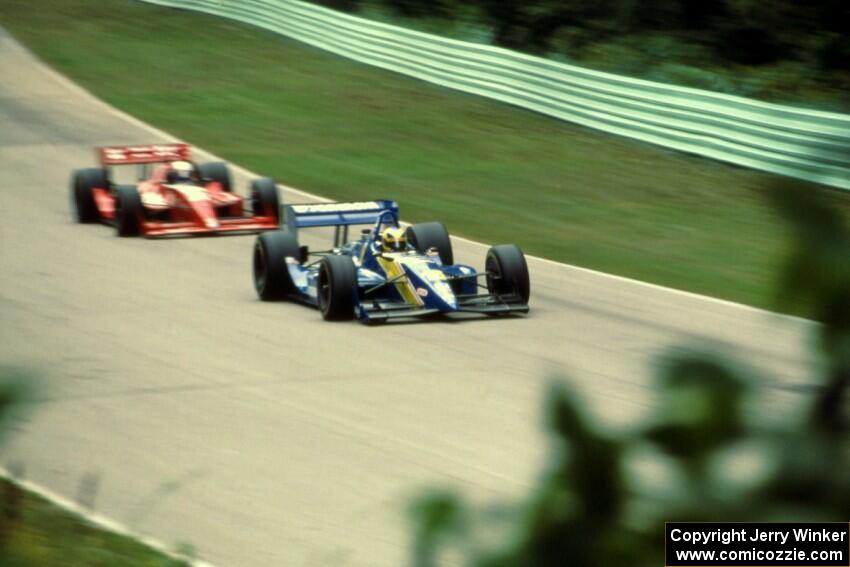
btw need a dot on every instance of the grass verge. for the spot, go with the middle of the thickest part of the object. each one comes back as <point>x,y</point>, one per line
<point>347,131</point>
<point>35,533</point>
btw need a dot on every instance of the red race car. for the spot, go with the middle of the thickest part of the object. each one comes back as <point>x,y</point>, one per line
<point>173,196</point>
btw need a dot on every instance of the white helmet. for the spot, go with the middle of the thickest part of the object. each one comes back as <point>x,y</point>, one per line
<point>180,172</point>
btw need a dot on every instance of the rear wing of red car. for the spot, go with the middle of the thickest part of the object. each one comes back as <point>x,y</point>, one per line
<point>153,153</point>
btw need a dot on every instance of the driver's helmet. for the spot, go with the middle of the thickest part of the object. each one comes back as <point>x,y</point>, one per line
<point>393,239</point>
<point>180,172</point>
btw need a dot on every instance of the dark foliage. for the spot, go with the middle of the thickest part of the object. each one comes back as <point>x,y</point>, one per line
<point>342,5</point>
<point>783,51</point>
<point>588,510</point>
<point>422,8</point>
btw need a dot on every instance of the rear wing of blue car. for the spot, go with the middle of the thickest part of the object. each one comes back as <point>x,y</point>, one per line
<point>339,215</point>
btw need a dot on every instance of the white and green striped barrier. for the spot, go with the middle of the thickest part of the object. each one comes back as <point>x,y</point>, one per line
<point>806,144</point>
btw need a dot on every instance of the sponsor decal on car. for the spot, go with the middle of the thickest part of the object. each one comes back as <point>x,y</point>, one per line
<point>152,153</point>
<point>336,207</point>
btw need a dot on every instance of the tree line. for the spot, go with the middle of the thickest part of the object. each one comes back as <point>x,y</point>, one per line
<point>732,32</point>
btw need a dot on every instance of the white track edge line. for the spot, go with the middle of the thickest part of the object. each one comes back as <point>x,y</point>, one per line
<point>162,133</point>
<point>99,520</point>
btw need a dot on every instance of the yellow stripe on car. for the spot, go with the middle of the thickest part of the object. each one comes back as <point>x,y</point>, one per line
<point>394,270</point>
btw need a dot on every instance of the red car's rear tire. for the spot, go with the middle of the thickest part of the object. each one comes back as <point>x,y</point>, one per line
<point>129,213</point>
<point>83,182</point>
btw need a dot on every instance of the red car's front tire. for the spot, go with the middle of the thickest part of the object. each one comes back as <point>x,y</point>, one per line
<point>217,171</point>
<point>264,198</point>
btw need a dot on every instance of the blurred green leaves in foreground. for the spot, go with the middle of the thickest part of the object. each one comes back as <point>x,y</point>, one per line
<point>16,387</point>
<point>604,498</point>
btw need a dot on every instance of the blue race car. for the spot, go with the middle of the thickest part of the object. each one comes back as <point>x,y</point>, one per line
<point>389,272</point>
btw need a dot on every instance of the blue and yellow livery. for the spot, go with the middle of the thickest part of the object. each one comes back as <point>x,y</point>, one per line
<point>386,273</point>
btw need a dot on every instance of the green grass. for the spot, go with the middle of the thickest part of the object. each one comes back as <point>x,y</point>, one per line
<point>347,131</point>
<point>35,533</point>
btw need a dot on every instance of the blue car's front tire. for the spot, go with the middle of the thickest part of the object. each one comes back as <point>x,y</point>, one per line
<point>507,272</point>
<point>337,288</point>
<point>428,235</point>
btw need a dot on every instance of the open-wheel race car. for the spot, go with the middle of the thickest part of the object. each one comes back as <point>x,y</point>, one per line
<point>173,195</point>
<point>388,272</point>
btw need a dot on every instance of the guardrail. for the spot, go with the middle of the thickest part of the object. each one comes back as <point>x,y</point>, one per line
<point>806,144</point>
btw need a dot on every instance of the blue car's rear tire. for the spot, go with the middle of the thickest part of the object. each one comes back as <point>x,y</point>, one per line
<point>337,288</point>
<point>271,274</point>
<point>507,272</point>
<point>428,235</point>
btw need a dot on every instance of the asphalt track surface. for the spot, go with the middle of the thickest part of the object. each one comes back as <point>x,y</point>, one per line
<point>261,434</point>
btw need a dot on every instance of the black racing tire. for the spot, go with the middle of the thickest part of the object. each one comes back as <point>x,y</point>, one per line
<point>129,212</point>
<point>265,199</point>
<point>507,271</point>
<point>217,171</point>
<point>271,275</point>
<point>432,235</point>
<point>83,181</point>
<point>337,287</point>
